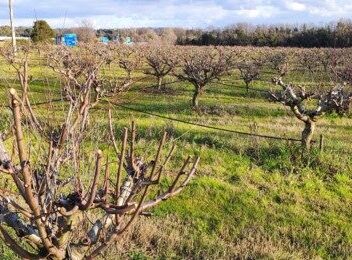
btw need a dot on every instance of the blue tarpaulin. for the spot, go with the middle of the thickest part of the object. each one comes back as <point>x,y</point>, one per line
<point>104,39</point>
<point>70,39</point>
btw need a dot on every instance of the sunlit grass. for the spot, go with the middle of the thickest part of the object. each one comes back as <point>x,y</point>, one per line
<point>252,197</point>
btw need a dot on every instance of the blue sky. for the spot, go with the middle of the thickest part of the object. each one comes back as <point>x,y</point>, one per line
<point>180,13</point>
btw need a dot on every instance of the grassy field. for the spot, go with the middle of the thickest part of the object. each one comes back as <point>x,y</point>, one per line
<point>252,197</point>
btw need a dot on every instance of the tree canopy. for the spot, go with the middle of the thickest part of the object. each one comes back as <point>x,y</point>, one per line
<point>42,31</point>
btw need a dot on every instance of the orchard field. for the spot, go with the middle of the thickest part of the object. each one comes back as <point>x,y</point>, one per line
<point>252,196</point>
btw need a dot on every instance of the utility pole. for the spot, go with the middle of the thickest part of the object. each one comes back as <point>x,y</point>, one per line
<point>12,28</point>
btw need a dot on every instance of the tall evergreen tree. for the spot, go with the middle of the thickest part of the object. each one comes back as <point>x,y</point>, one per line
<point>42,31</point>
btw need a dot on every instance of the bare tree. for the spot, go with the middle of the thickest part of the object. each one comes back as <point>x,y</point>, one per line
<point>296,98</point>
<point>280,61</point>
<point>249,71</point>
<point>85,32</point>
<point>161,61</point>
<point>344,73</point>
<point>330,59</point>
<point>129,59</point>
<point>149,35</point>
<point>204,65</point>
<point>168,36</point>
<point>308,60</point>
<point>47,218</point>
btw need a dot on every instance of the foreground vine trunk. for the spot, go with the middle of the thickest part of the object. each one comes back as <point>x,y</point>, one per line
<point>49,212</point>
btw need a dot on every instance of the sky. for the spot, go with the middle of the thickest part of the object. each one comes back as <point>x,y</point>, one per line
<point>175,13</point>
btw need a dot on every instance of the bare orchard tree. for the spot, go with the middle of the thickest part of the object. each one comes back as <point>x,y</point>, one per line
<point>296,98</point>
<point>48,221</point>
<point>249,71</point>
<point>86,32</point>
<point>54,214</point>
<point>330,59</point>
<point>79,70</point>
<point>308,61</point>
<point>344,73</point>
<point>168,36</point>
<point>280,61</point>
<point>130,59</point>
<point>203,65</point>
<point>161,61</point>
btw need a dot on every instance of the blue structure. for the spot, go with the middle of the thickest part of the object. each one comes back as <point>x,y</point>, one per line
<point>70,39</point>
<point>116,38</point>
<point>128,41</point>
<point>104,40</point>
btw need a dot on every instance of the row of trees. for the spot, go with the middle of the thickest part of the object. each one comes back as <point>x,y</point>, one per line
<point>41,32</point>
<point>5,30</point>
<point>44,218</point>
<point>203,65</point>
<point>335,35</point>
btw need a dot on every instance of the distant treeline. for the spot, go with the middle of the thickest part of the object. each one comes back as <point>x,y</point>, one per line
<point>338,35</point>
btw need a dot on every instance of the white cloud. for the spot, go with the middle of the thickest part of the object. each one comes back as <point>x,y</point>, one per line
<point>295,6</point>
<point>258,12</point>
<point>186,13</point>
<point>331,8</point>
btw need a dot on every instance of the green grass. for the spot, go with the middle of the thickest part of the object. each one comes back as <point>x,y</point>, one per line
<point>251,197</point>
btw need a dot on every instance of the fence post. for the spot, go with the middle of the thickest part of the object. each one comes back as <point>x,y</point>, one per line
<point>321,143</point>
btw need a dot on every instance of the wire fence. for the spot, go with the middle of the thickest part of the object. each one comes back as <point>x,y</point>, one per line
<point>188,122</point>
<point>205,126</point>
<point>244,88</point>
<point>182,121</point>
<point>321,142</point>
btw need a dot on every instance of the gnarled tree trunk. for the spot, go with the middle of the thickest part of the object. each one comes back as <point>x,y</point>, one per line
<point>307,134</point>
<point>195,97</point>
<point>247,86</point>
<point>160,82</point>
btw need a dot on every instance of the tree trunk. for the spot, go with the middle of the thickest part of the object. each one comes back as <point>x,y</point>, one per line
<point>247,87</point>
<point>195,98</point>
<point>307,134</point>
<point>160,82</point>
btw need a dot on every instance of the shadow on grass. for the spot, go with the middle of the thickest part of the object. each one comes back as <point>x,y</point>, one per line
<point>289,158</point>
<point>284,157</point>
<point>165,90</point>
<point>180,107</point>
<point>240,110</point>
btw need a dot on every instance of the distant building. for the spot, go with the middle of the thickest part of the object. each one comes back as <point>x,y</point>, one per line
<point>128,41</point>
<point>9,38</point>
<point>104,40</point>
